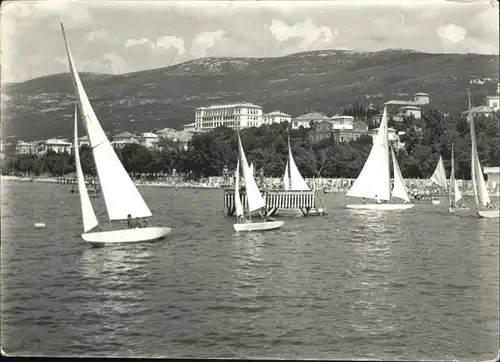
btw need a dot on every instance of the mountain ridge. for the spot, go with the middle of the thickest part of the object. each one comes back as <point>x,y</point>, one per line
<point>322,80</point>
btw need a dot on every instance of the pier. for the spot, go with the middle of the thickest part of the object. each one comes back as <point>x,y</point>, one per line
<point>305,201</point>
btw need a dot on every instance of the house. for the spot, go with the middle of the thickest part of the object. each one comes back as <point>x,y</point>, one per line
<point>493,175</point>
<point>480,110</point>
<point>493,101</point>
<point>182,137</point>
<point>190,127</point>
<point>276,117</point>
<point>408,111</point>
<point>149,139</point>
<point>421,98</point>
<point>83,141</point>
<point>54,145</point>
<point>342,122</point>
<point>125,138</point>
<point>360,126</point>
<point>391,133</point>
<point>306,119</point>
<point>321,130</point>
<point>26,148</point>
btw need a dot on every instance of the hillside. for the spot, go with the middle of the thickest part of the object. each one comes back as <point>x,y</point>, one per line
<point>321,81</point>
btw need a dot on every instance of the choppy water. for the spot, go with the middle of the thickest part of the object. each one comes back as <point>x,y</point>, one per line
<point>419,284</point>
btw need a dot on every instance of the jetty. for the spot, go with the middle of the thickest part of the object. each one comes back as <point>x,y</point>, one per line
<point>306,201</point>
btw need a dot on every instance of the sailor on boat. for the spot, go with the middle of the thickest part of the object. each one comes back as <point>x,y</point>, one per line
<point>491,206</point>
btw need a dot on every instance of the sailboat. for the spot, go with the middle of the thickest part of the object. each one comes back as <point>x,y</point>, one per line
<point>374,180</point>
<point>254,198</point>
<point>122,199</point>
<point>481,197</point>
<point>293,181</point>
<point>454,192</point>
<point>439,178</point>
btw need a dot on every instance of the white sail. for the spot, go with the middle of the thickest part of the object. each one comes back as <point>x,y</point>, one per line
<point>458,195</point>
<point>297,182</point>
<point>237,199</point>
<point>88,214</point>
<point>120,194</point>
<point>454,190</point>
<point>374,179</point>
<point>399,189</point>
<point>251,169</point>
<point>481,196</point>
<point>254,198</point>
<point>439,175</point>
<point>286,178</point>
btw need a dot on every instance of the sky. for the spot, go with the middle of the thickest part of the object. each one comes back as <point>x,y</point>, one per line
<point>124,36</point>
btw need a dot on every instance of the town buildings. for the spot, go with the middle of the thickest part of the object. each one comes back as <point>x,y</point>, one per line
<point>307,119</point>
<point>492,105</point>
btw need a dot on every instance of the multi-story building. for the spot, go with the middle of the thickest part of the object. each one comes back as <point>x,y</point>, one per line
<point>305,120</point>
<point>149,139</point>
<point>123,139</point>
<point>321,130</point>
<point>409,111</point>
<point>230,115</point>
<point>276,117</point>
<point>342,122</point>
<point>54,145</point>
<point>26,148</point>
<point>190,127</point>
<point>324,130</point>
<point>421,98</point>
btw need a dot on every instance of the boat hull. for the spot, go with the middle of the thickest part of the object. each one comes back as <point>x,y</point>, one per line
<point>436,202</point>
<point>458,209</point>
<point>489,214</point>
<point>258,226</point>
<point>123,236</point>
<point>380,207</point>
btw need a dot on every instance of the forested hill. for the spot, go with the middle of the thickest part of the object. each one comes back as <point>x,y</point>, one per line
<point>321,81</point>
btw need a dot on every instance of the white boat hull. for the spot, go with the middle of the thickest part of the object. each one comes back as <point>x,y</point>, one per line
<point>258,226</point>
<point>135,235</point>
<point>380,207</point>
<point>490,214</point>
<point>436,202</point>
<point>458,209</point>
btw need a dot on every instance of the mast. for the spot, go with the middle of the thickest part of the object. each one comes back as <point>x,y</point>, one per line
<point>473,151</point>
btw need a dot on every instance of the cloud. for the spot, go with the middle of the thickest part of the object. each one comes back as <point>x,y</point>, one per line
<point>306,30</point>
<point>202,42</point>
<point>169,41</point>
<point>133,42</point>
<point>164,42</point>
<point>451,34</point>
<point>97,35</point>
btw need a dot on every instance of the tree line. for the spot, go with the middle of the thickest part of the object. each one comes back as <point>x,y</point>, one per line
<point>210,153</point>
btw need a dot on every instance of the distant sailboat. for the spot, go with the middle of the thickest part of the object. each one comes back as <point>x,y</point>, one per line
<point>292,178</point>
<point>439,178</point>
<point>254,198</point>
<point>481,197</point>
<point>454,192</point>
<point>374,180</point>
<point>121,196</point>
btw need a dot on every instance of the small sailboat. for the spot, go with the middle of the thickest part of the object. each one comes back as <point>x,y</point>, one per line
<point>122,199</point>
<point>374,180</point>
<point>484,207</point>
<point>254,198</point>
<point>439,178</point>
<point>454,192</point>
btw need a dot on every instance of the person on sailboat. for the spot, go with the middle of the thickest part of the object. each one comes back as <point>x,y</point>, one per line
<point>491,206</point>
<point>377,200</point>
<point>363,200</point>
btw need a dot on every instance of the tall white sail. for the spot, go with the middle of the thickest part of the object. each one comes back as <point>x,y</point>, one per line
<point>454,190</point>
<point>297,182</point>
<point>88,214</point>
<point>120,194</point>
<point>254,197</point>
<point>439,175</point>
<point>374,179</point>
<point>237,199</point>
<point>251,169</point>
<point>481,196</point>
<point>286,177</point>
<point>399,189</point>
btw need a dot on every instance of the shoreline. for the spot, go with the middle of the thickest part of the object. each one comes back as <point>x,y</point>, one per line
<point>202,185</point>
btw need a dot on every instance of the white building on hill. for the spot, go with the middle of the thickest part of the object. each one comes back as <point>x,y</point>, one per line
<point>230,115</point>
<point>276,117</point>
<point>342,122</point>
